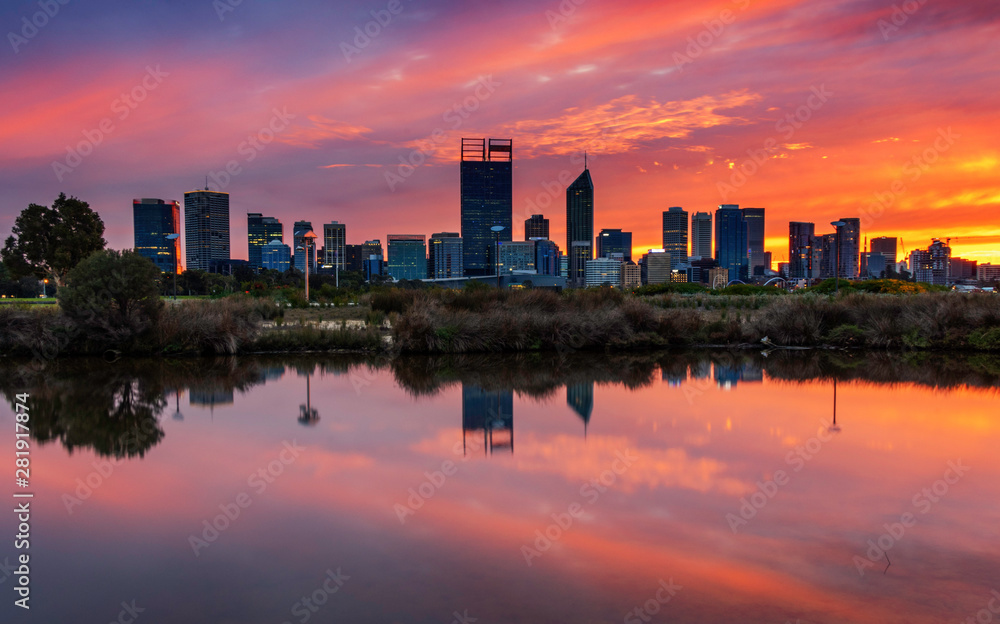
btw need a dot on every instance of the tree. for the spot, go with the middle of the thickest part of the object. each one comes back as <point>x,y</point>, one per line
<point>51,241</point>
<point>113,294</point>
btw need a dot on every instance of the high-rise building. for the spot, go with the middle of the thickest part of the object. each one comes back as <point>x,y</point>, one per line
<point>444,255</point>
<point>486,178</point>
<point>657,266</point>
<point>579,253</point>
<point>675,234</point>
<point>731,250</point>
<point>407,256</point>
<point>300,247</point>
<point>517,256</point>
<point>885,245</point>
<point>276,255</point>
<point>371,258</point>
<point>153,220</point>
<point>537,226</point>
<point>873,265</point>
<point>827,244</point>
<point>755,239</point>
<point>801,239</point>
<point>206,227</point>
<point>579,226</point>
<point>261,230</point>
<point>631,275</point>
<point>701,235</point>
<point>354,259</point>
<point>547,257</point>
<point>988,273</point>
<point>614,241</point>
<point>335,245</point>
<point>962,270</point>
<point>850,248</point>
<point>603,271</point>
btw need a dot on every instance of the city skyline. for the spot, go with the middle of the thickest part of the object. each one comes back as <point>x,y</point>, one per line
<point>328,138</point>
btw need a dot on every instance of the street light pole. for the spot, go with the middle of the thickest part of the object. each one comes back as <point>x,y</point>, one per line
<point>308,239</point>
<point>496,231</point>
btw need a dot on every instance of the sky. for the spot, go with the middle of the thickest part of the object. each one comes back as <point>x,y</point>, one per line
<point>354,111</point>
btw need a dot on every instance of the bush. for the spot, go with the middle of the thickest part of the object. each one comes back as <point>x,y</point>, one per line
<point>113,296</point>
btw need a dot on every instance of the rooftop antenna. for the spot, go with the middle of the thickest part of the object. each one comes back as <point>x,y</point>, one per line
<point>584,160</point>
<point>206,183</point>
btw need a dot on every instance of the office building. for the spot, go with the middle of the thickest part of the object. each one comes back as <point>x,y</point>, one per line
<point>486,178</point>
<point>801,256</point>
<point>261,230</point>
<point>988,273</point>
<point>827,244</point>
<point>698,268</point>
<point>631,275</point>
<point>354,260</point>
<point>610,241</point>
<point>850,248</point>
<point>657,266</point>
<point>731,250</point>
<point>579,226</point>
<point>206,228</point>
<point>276,256</point>
<point>603,272</point>
<point>547,257</point>
<point>444,255</point>
<point>335,245</point>
<point>517,256</point>
<point>755,240</point>
<point>372,258</point>
<point>302,249</point>
<point>675,235</point>
<point>407,256</point>
<point>536,227</point>
<point>701,235</point>
<point>153,220</point>
<point>962,270</point>
<point>873,265</point>
<point>885,245</point>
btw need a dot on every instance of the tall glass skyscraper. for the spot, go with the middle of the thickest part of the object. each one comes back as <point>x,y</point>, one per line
<point>261,230</point>
<point>755,236</point>
<point>335,244</point>
<point>675,235</point>
<point>611,241</point>
<point>486,178</point>
<point>802,252</point>
<point>444,255</point>
<point>153,220</point>
<point>407,256</point>
<point>580,226</point>
<point>206,227</point>
<point>731,250</point>
<point>701,234</point>
<point>536,227</point>
<point>850,248</point>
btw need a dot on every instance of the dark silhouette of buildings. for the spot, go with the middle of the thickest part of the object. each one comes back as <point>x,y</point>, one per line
<point>153,220</point>
<point>537,226</point>
<point>731,250</point>
<point>261,231</point>
<point>489,413</point>
<point>486,178</point>
<point>206,228</point>
<point>580,226</point>
<point>580,398</point>
<point>675,235</point>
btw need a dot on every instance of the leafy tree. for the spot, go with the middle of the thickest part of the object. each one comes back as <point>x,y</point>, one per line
<point>51,241</point>
<point>114,294</point>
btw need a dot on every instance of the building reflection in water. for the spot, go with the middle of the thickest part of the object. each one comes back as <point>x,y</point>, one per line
<point>580,397</point>
<point>728,375</point>
<point>489,414</point>
<point>209,396</point>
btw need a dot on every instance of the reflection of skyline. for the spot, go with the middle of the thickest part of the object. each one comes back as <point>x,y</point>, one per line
<point>580,397</point>
<point>728,375</point>
<point>210,397</point>
<point>491,413</point>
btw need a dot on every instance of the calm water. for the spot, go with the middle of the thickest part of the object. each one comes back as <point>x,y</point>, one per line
<point>667,488</point>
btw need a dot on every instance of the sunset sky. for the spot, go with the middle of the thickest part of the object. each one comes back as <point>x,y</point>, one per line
<point>669,99</point>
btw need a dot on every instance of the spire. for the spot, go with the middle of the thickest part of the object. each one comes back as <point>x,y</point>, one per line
<point>585,160</point>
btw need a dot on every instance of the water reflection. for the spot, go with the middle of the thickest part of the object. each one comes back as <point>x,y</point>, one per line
<point>487,414</point>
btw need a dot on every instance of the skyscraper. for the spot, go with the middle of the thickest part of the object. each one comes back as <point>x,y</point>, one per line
<point>276,255</point>
<point>731,251</point>
<point>611,241</point>
<point>755,237</point>
<point>299,246</point>
<point>675,235</point>
<point>206,227</point>
<point>153,220</point>
<point>850,248</point>
<point>885,245</point>
<point>701,234</point>
<point>261,230</point>
<point>444,255</point>
<point>536,227</point>
<point>516,256</point>
<point>546,257</point>
<point>407,256</point>
<point>800,250</point>
<point>335,244</point>
<point>580,225</point>
<point>486,178</point>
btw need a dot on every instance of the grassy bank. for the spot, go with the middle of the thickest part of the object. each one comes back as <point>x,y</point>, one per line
<point>509,321</point>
